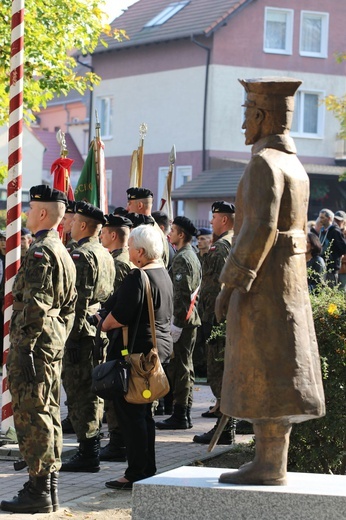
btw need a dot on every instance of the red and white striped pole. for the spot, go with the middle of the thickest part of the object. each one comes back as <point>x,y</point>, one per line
<point>14,189</point>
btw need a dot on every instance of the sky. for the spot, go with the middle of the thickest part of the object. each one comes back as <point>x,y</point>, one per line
<point>114,7</point>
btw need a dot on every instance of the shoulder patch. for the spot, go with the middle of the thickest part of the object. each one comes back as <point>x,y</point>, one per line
<point>212,248</point>
<point>75,256</point>
<point>38,254</point>
<point>178,277</point>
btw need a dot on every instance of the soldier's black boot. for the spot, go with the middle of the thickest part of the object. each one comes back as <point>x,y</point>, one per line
<point>54,477</point>
<point>86,459</point>
<point>226,437</point>
<point>33,498</point>
<point>177,421</point>
<point>115,450</point>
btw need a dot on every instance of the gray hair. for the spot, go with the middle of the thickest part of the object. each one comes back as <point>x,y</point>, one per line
<point>328,212</point>
<point>148,238</point>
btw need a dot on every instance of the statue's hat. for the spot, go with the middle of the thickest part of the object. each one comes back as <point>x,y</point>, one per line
<point>271,92</point>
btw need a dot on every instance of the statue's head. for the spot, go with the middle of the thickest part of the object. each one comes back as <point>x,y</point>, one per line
<point>269,106</point>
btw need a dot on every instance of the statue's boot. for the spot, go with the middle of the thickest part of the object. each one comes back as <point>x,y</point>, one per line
<point>269,467</point>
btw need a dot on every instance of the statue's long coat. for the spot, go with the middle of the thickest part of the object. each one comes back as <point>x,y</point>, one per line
<point>272,365</point>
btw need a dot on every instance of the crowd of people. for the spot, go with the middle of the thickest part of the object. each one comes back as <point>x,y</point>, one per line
<point>65,289</point>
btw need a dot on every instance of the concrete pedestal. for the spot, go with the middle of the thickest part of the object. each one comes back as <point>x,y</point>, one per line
<point>196,494</point>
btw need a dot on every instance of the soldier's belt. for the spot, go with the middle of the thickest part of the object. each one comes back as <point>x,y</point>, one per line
<point>19,306</point>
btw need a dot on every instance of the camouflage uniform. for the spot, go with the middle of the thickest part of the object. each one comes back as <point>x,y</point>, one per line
<point>43,312</point>
<point>212,266</point>
<point>95,281</point>
<point>71,245</point>
<point>186,277</point>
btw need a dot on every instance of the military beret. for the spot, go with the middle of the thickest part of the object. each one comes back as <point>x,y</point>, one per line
<point>340,215</point>
<point>43,193</point>
<point>221,206</point>
<point>186,224</point>
<point>24,231</point>
<point>139,219</point>
<point>71,206</point>
<point>204,231</point>
<point>88,210</point>
<point>117,221</point>
<point>139,193</point>
<point>120,211</point>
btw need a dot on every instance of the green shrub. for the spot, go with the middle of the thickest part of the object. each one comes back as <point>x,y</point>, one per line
<point>319,445</point>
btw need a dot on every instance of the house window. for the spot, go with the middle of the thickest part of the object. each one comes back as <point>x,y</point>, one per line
<point>183,174</point>
<point>308,114</point>
<point>105,114</point>
<point>278,30</point>
<point>109,186</point>
<point>314,34</point>
<point>167,13</point>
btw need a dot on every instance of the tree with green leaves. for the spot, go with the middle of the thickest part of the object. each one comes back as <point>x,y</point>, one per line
<point>54,32</point>
<point>338,105</point>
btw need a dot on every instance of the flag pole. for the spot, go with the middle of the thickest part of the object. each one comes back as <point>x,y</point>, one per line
<point>143,128</point>
<point>166,200</point>
<point>100,166</point>
<point>14,191</point>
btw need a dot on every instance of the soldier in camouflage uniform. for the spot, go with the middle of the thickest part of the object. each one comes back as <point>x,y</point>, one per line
<point>204,240</point>
<point>186,277</point>
<point>70,245</point>
<point>44,298</point>
<point>222,223</point>
<point>95,282</point>
<point>114,237</point>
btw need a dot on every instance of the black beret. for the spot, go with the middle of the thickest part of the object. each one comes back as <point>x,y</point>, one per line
<point>71,206</point>
<point>43,193</point>
<point>120,211</point>
<point>221,206</point>
<point>24,231</point>
<point>139,219</point>
<point>186,224</point>
<point>88,210</point>
<point>138,193</point>
<point>117,221</point>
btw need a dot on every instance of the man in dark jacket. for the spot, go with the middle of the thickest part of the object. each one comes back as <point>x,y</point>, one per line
<point>333,245</point>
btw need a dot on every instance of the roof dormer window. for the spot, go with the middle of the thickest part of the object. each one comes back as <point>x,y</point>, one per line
<point>167,13</point>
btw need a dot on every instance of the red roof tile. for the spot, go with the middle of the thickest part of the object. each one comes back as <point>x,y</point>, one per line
<point>198,17</point>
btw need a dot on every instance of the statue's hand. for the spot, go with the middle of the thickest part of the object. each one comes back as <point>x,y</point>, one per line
<point>221,304</point>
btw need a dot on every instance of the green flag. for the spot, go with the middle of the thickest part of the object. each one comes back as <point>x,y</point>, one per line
<point>86,188</point>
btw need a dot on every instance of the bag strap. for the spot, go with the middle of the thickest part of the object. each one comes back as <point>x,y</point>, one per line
<point>127,349</point>
<point>151,309</point>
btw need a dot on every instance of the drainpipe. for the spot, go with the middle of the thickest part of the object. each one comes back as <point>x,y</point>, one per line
<point>204,159</point>
<point>91,97</point>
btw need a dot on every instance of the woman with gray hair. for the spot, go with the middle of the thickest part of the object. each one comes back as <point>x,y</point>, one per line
<point>136,421</point>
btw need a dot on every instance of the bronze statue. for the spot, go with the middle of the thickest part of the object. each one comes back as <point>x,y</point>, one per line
<point>272,376</point>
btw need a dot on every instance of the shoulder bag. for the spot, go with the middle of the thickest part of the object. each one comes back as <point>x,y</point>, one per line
<point>110,378</point>
<point>147,379</point>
